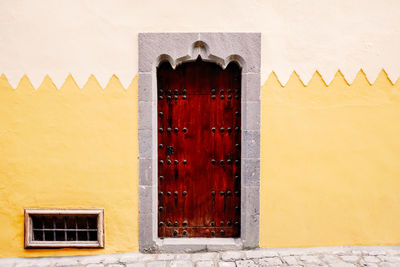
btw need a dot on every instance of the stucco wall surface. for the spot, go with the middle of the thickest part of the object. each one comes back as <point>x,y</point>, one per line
<point>69,148</point>
<point>99,37</point>
<point>330,162</point>
<point>329,169</point>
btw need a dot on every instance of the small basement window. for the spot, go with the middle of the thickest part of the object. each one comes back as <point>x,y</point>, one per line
<point>64,228</point>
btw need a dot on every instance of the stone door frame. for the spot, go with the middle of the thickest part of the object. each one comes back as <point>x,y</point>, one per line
<point>221,48</point>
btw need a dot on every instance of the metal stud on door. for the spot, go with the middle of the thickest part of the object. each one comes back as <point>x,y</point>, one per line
<point>199,150</point>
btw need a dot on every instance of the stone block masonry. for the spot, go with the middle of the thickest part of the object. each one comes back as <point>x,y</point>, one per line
<point>351,256</point>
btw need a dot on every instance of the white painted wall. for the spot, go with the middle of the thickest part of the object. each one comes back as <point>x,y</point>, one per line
<point>58,37</point>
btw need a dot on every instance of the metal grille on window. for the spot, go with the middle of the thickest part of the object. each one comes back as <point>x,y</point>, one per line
<point>81,227</point>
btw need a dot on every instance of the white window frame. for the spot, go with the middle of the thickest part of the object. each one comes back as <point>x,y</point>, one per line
<point>30,243</point>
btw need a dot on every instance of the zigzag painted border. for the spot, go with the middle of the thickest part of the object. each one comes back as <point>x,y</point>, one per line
<point>69,82</point>
<point>317,79</point>
<point>293,81</point>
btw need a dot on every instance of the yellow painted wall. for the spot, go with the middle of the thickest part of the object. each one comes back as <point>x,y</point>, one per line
<point>69,148</point>
<point>330,167</point>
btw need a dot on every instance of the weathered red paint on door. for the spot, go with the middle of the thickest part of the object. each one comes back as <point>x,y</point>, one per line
<point>199,150</point>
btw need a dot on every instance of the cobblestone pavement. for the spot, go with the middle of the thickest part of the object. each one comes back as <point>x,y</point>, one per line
<point>381,256</point>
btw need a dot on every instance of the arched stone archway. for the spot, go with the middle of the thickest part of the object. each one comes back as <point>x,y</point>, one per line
<point>220,48</point>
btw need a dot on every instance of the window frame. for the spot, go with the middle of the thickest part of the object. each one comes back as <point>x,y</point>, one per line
<point>28,233</point>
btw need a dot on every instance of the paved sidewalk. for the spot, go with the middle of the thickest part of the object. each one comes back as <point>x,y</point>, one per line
<point>381,256</point>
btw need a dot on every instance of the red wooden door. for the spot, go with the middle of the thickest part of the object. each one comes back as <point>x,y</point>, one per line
<point>199,150</point>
